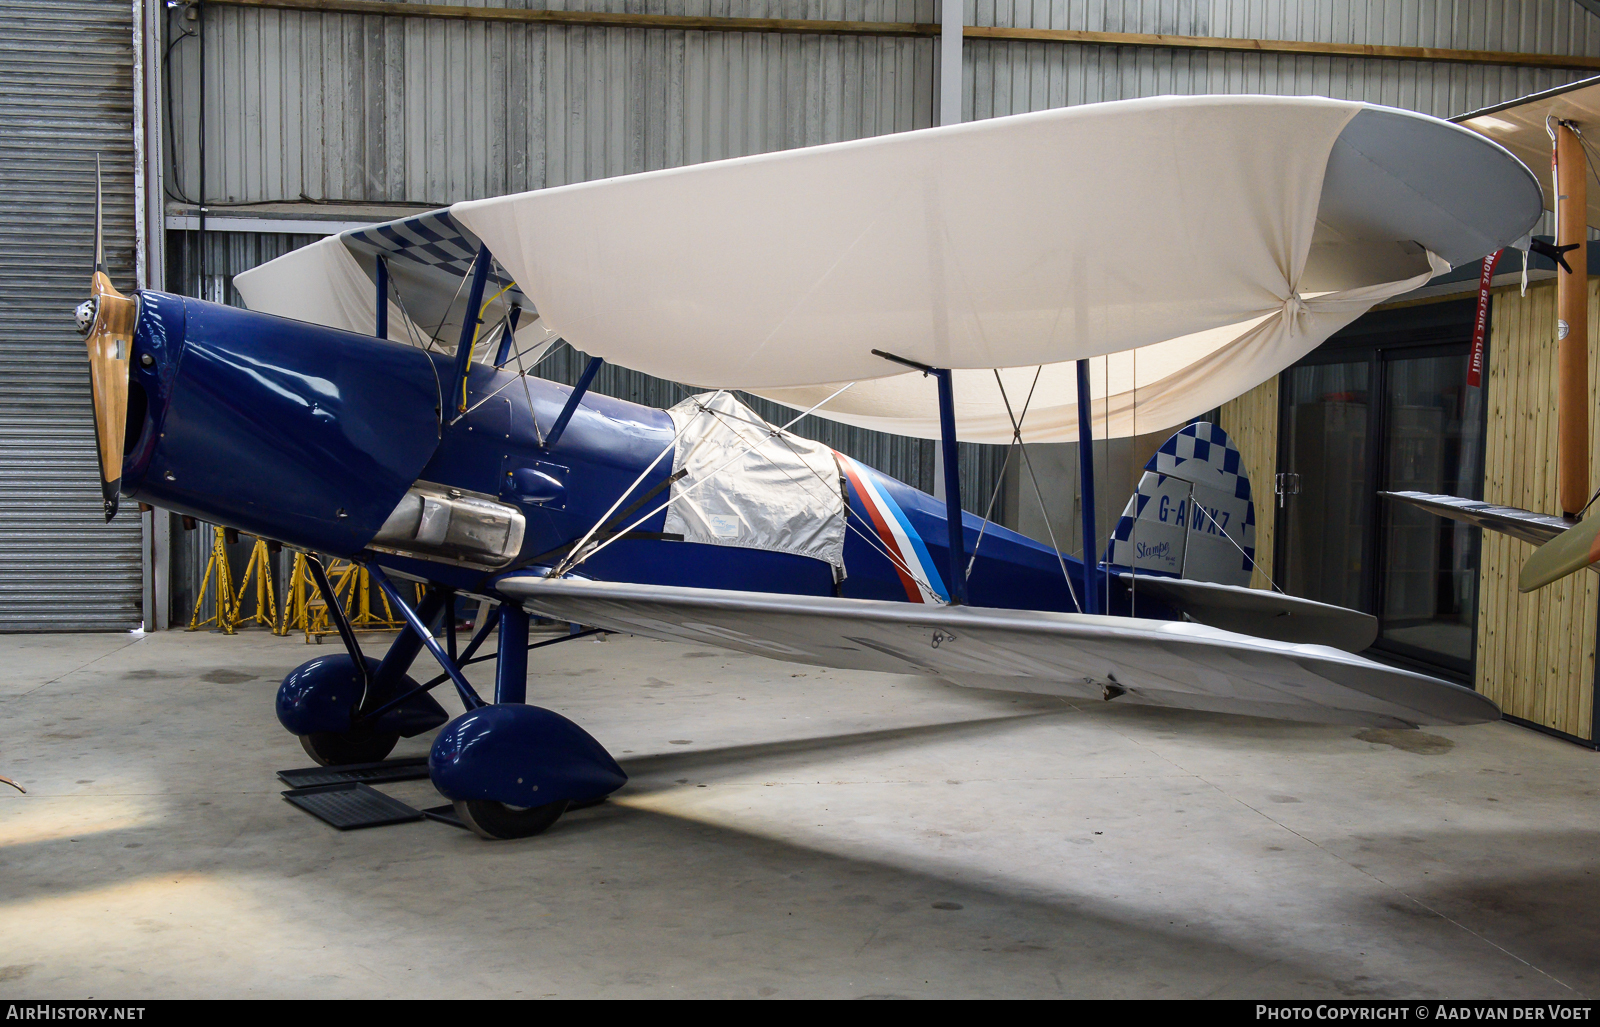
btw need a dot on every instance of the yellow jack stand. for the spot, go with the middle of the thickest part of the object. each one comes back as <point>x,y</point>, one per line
<point>260,566</point>
<point>226,601</point>
<point>306,611</point>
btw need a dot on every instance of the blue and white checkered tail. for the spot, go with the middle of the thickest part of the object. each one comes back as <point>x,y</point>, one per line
<point>1192,515</point>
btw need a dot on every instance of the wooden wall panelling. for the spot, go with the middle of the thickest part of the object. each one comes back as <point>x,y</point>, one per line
<point>1536,653</point>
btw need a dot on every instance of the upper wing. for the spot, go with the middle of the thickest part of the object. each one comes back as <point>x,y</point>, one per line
<point>333,282</point>
<point>1521,524</point>
<point>1160,663</point>
<point>782,272</point>
<point>1264,614</point>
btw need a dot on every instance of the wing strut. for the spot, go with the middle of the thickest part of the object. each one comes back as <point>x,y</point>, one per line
<point>1091,561</point>
<point>381,317</point>
<point>952,474</point>
<point>470,322</point>
<point>578,390</point>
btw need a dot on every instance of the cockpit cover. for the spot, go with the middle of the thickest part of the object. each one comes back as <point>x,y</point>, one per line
<point>751,485</point>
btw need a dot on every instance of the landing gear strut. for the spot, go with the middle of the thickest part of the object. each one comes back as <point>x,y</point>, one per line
<point>510,769</point>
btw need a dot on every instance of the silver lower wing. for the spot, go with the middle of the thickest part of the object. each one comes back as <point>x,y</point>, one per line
<point>1157,663</point>
<point>1264,614</point>
<point>1534,528</point>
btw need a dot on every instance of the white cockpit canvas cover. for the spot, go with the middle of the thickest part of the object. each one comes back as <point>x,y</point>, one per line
<point>751,485</point>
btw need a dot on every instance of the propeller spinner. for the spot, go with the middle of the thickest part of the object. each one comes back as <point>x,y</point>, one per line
<point>107,323</point>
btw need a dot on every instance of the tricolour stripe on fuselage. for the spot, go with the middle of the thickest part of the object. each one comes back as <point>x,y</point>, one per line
<point>918,574</point>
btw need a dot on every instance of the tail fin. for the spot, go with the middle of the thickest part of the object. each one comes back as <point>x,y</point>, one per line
<point>1192,515</point>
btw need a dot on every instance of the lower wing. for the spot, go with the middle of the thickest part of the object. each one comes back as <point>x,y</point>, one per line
<point>1157,663</point>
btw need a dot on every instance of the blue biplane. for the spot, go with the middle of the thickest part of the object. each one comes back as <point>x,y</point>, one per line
<point>377,404</point>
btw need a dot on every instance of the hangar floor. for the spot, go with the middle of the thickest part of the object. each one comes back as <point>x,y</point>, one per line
<point>786,832</point>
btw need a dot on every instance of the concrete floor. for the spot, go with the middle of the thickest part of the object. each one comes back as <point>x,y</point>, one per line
<point>787,832</point>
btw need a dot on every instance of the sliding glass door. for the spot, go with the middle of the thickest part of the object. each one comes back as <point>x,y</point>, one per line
<point>1385,406</point>
<point>1324,525</point>
<point>1428,571</point>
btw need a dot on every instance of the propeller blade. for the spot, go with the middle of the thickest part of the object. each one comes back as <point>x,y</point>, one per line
<point>107,322</point>
<point>1572,550</point>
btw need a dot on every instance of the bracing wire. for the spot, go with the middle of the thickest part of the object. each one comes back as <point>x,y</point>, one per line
<point>1016,433</point>
<point>1102,495</point>
<point>671,445</point>
<point>1000,479</point>
<point>1138,478</point>
<point>1255,566</point>
<point>414,333</point>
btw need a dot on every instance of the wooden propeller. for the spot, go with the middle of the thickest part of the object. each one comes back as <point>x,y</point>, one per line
<point>108,329</point>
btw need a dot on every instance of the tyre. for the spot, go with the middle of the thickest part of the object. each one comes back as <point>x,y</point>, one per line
<point>496,821</point>
<point>337,749</point>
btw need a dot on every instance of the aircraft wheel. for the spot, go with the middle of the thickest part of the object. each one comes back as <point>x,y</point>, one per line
<point>496,821</point>
<point>334,749</point>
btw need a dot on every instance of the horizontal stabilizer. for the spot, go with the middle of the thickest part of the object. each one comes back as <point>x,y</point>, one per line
<point>1263,614</point>
<point>1533,528</point>
<point>1157,663</point>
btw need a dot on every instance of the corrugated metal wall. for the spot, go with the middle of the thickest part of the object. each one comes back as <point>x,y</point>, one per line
<point>66,93</point>
<point>1009,78</point>
<point>359,107</point>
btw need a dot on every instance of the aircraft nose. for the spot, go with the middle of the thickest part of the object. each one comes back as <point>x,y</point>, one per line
<point>152,368</point>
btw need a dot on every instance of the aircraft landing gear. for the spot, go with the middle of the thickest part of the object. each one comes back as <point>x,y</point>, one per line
<point>496,821</point>
<point>512,769</point>
<point>350,708</point>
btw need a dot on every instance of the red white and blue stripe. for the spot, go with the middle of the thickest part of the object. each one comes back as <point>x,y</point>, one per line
<point>902,543</point>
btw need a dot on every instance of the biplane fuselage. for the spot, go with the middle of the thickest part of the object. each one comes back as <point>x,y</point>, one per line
<point>311,436</point>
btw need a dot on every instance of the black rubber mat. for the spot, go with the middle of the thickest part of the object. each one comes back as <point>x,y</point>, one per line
<point>445,814</point>
<point>412,768</point>
<point>351,805</point>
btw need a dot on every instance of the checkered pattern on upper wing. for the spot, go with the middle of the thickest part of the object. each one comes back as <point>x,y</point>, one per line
<point>434,239</point>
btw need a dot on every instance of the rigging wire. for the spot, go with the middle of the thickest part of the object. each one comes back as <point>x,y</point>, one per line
<point>1138,479</point>
<point>1193,506</point>
<point>1016,433</point>
<point>1105,462</point>
<point>415,334</point>
<point>1000,479</point>
<point>671,445</point>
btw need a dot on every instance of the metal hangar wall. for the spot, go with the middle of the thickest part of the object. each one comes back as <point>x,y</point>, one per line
<point>66,94</point>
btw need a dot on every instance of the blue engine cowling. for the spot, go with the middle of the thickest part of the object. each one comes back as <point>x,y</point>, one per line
<point>280,428</point>
<point>521,756</point>
<point>321,695</point>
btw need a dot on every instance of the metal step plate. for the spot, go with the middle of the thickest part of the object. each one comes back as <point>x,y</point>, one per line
<point>411,768</point>
<point>351,805</point>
